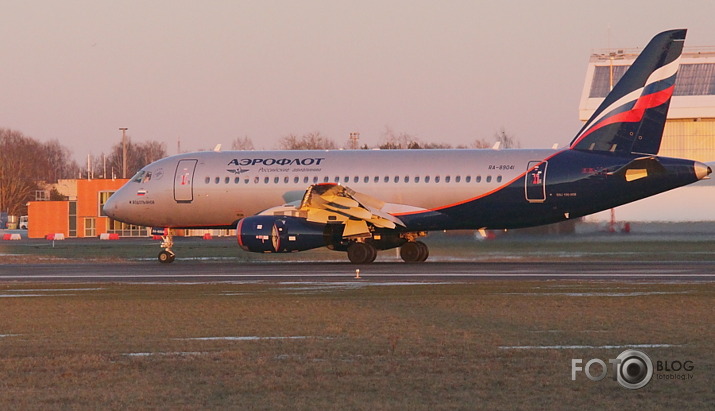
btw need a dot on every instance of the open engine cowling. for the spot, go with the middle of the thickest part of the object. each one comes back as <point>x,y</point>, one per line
<point>279,234</point>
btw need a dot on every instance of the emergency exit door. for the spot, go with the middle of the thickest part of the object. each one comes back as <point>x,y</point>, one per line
<point>184,181</point>
<point>535,184</point>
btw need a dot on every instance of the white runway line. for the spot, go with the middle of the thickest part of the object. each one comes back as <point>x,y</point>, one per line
<point>252,338</point>
<point>583,347</point>
<point>365,276</point>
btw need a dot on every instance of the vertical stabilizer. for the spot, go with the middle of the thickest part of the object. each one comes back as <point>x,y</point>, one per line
<point>632,116</point>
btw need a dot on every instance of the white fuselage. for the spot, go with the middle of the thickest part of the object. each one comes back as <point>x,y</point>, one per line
<point>211,189</point>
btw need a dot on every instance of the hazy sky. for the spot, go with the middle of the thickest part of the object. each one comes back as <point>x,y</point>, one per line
<point>207,72</point>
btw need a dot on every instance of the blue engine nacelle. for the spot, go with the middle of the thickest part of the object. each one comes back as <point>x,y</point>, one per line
<point>279,234</point>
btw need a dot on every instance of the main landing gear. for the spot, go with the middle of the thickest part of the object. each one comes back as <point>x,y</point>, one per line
<point>414,252</point>
<point>365,253</point>
<point>167,241</point>
<point>361,253</point>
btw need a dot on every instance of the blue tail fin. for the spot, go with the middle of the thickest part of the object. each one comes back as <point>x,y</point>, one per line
<point>632,116</point>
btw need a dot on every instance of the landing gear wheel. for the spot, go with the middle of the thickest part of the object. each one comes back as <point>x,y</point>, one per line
<point>424,252</point>
<point>414,252</point>
<point>166,257</point>
<point>361,253</point>
<point>167,241</point>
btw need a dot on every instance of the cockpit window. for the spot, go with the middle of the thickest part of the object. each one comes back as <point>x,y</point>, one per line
<point>142,176</point>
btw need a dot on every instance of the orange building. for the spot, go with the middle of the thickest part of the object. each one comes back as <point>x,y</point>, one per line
<point>81,215</point>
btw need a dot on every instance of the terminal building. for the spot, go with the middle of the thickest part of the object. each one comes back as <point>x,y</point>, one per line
<point>690,129</point>
<point>80,215</point>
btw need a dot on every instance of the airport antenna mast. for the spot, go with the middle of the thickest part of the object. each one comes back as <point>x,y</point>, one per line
<point>124,151</point>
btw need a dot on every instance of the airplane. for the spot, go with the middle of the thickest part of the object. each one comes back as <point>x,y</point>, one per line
<point>362,201</point>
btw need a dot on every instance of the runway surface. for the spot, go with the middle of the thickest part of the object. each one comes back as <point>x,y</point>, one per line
<point>202,271</point>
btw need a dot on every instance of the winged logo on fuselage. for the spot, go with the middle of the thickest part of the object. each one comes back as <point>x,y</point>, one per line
<point>239,170</point>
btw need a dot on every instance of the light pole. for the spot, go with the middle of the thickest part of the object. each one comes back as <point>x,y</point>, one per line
<point>124,151</point>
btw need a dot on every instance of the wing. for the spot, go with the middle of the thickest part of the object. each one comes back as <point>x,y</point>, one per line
<point>333,203</point>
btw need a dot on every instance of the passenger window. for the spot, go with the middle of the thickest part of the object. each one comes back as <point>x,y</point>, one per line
<point>356,179</point>
<point>489,179</point>
<point>366,179</point>
<point>236,180</point>
<point>315,179</point>
<point>296,179</point>
<point>346,179</point>
<point>305,179</point>
<point>377,179</point>
<point>468,179</point>
<point>478,179</point>
<point>265,180</point>
<point>217,180</point>
<point>447,179</point>
<point>498,179</point>
<point>227,180</point>
<point>406,179</point>
<point>426,179</point>
<point>255,180</point>
<point>457,179</point>
<point>436,179</point>
<point>276,180</point>
<point>326,179</point>
<point>285,180</point>
<point>387,179</point>
<point>417,179</point>
<point>337,179</point>
<point>208,180</point>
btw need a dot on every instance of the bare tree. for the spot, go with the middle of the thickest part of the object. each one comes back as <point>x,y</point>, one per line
<point>310,141</point>
<point>506,140</point>
<point>436,146</point>
<point>396,141</point>
<point>138,156</point>
<point>242,143</point>
<point>26,165</point>
<point>17,181</point>
<point>393,141</point>
<point>480,143</point>
<point>58,163</point>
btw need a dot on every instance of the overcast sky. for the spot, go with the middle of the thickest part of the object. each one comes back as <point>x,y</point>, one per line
<point>207,72</point>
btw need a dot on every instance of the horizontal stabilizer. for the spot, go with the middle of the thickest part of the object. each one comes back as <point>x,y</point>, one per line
<point>639,168</point>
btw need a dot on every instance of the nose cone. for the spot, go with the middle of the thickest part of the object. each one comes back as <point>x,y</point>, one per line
<point>701,170</point>
<point>112,207</point>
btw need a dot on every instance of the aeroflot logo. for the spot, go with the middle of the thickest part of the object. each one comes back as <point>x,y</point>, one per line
<point>308,161</point>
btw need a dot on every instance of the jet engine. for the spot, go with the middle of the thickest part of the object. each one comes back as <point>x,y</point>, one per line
<point>279,234</point>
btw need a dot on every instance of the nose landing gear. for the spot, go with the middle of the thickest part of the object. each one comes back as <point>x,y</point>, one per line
<point>167,241</point>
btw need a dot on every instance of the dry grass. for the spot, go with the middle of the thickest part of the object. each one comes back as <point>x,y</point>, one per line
<point>367,347</point>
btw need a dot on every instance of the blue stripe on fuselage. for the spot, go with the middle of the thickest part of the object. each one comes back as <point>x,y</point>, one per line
<point>577,184</point>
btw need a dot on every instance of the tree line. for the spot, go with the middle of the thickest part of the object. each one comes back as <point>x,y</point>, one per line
<point>390,140</point>
<point>28,166</point>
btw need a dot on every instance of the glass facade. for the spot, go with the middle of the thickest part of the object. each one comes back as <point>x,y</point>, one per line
<point>693,79</point>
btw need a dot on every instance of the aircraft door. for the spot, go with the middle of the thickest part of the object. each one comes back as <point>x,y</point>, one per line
<point>535,184</point>
<point>184,181</point>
